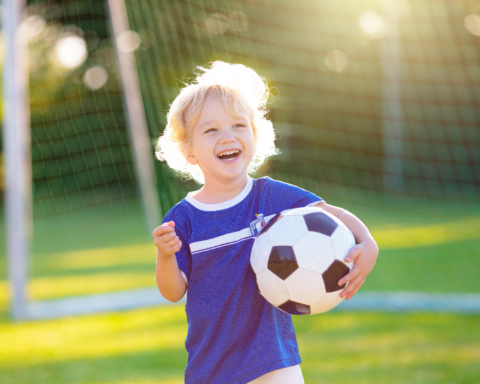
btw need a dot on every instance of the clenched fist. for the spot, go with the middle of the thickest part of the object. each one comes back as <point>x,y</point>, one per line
<point>166,240</point>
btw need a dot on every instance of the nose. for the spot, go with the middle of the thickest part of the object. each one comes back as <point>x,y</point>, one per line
<point>228,136</point>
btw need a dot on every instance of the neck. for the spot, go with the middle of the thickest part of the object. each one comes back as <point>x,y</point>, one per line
<point>215,192</point>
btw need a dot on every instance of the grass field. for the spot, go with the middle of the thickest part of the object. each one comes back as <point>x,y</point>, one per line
<point>146,346</point>
<point>423,247</point>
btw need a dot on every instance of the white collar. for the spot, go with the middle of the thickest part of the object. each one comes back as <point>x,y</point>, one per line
<point>226,204</point>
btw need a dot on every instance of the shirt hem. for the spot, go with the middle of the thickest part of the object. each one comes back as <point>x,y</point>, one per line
<point>266,368</point>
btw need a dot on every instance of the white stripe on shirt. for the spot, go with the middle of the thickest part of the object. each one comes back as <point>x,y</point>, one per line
<point>227,239</point>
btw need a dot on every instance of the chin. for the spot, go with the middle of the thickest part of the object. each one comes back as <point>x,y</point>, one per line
<point>236,175</point>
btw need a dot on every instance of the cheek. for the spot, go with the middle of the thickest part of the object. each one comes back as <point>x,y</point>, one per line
<point>250,142</point>
<point>253,141</point>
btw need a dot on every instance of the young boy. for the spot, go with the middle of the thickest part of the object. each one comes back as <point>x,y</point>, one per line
<point>217,133</point>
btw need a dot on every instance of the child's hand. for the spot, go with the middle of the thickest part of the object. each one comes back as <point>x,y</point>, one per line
<point>364,256</point>
<point>166,240</point>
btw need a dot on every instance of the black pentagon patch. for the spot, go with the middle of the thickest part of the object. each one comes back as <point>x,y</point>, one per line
<point>272,221</point>
<point>294,308</point>
<point>334,273</point>
<point>282,261</point>
<point>321,223</point>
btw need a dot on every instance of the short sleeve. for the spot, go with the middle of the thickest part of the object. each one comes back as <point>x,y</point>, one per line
<point>287,196</point>
<point>183,256</point>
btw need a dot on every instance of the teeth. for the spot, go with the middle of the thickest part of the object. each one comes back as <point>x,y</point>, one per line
<point>227,153</point>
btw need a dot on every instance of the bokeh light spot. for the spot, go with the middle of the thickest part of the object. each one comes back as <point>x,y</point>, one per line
<point>36,25</point>
<point>237,21</point>
<point>128,41</point>
<point>71,51</point>
<point>336,61</point>
<point>95,78</point>
<point>472,23</point>
<point>372,24</point>
<point>217,23</point>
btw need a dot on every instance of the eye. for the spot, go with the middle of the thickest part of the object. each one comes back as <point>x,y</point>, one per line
<point>239,125</point>
<point>210,130</point>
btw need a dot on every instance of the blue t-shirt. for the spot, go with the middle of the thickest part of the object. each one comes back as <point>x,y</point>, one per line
<point>234,334</point>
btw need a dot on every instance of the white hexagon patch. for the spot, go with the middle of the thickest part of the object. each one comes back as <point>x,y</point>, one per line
<point>326,303</point>
<point>260,253</point>
<point>272,287</point>
<point>287,230</point>
<point>299,211</point>
<point>305,287</point>
<point>314,252</point>
<point>343,241</point>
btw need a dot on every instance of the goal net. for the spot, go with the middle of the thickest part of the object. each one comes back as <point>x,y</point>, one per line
<point>376,104</point>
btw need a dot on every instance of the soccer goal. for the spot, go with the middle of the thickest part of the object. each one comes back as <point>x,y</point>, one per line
<point>84,164</point>
<point>376,105</point>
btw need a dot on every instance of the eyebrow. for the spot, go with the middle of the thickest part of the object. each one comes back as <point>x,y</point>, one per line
<point>242,119</point>
<point>206,122</point>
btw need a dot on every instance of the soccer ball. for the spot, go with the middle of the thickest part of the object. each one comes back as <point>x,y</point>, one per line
<point>298,259</point>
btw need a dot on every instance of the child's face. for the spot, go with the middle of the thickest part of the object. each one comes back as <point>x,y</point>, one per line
<point>215,135</point>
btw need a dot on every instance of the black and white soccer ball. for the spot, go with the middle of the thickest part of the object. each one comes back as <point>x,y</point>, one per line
<point>298,259</point>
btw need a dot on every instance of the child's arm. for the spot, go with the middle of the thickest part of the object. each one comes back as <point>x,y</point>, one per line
<point>170,281</point>
<point>364,254</point>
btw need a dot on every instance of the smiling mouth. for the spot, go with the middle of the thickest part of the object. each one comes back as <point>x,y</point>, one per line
<point>229,155</point>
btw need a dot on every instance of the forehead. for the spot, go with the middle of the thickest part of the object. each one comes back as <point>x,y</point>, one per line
<point>215,108</point>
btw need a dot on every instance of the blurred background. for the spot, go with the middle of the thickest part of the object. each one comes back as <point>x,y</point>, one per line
<point>377,109</point>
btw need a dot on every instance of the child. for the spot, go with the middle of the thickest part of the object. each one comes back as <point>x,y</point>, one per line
<point>217,133</point>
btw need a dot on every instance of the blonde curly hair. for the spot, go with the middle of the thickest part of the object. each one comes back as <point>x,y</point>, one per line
<point>240,89</point>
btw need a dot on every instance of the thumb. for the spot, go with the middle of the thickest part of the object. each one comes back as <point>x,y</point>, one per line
<point>171,224</point>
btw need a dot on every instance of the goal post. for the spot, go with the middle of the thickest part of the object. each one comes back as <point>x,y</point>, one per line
<point>135,113</point>
<point>18,161</point>
<point>18,185</point>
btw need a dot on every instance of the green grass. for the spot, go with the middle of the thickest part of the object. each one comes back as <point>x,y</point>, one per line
<point>146,346</point>
<point>424,246</point>
<point>390,348</point>
<point>429,247</point>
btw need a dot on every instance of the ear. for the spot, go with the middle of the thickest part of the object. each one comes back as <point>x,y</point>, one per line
<point>190,156</point>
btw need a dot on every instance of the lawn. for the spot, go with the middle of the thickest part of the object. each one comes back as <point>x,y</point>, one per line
<point>424,246</point>
<point>146,346</point>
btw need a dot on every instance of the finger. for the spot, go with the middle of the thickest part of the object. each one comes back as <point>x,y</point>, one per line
<point>166,237</point>
<point>350,295</point>
<point>352,255</point>
<point>164,228</point>
<point>161,230</point>
<point>352,287</point>
<point>171,224</point>
<point>172,242</point>
<point>349,276</point>
<point>170,247</point>
<point>177,247</point>
<point>163,238</point>
<point>160,241</point>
